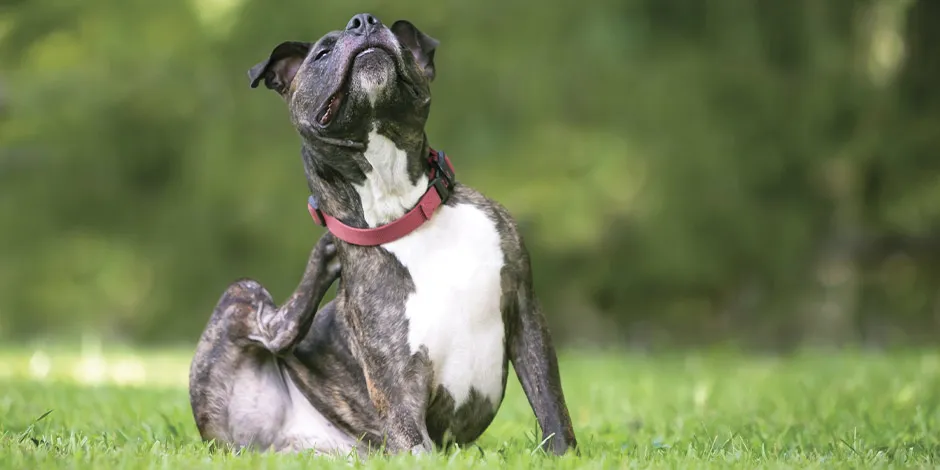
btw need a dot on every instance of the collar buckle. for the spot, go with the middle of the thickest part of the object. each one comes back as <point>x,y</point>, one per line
<point>442,175</point>
<point>315,213</point>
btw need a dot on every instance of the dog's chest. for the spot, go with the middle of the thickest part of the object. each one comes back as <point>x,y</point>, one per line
<point>455,260</point>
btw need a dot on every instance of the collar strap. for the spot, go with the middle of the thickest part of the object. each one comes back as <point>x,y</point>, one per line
<point>441,181</point>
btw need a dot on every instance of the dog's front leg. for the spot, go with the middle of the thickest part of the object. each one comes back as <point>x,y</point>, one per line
<point>536,364</point>
<point>280,329</point>
<point>400,393</point>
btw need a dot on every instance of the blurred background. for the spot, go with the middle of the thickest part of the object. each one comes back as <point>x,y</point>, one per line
<point>763,175</point>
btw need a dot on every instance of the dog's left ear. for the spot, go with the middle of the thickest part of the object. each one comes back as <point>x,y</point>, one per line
<point>279,69</point>
<point>421,45</point>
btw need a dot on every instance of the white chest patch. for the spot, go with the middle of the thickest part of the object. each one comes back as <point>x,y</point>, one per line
<point>455,261</point>
<point>387,193</point>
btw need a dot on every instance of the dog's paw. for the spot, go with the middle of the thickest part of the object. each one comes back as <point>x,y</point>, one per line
<point>420,450</point>
<point>333,270</point>
<point>265,318</point>
<point>325,253</point>
<point>277,328</point>
<point>326,247</point>
<point>274,332</point>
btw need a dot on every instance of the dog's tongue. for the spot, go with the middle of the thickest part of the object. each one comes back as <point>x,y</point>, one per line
<point>332,108</point>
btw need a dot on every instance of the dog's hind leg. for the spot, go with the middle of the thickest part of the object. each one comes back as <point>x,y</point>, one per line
<point>238,391</point>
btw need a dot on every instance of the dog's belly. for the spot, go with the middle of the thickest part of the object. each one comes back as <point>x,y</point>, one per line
<point>267,410</point>
<point>455,261</point>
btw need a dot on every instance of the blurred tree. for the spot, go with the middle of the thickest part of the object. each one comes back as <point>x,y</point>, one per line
<point>684,172</point>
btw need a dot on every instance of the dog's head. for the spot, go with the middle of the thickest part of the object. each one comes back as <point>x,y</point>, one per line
<point>366,77</point>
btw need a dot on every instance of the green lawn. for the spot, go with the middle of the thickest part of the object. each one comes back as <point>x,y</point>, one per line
<point>683,411</point>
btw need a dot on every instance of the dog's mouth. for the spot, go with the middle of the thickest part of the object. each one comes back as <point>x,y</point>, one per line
<point>332,107</point>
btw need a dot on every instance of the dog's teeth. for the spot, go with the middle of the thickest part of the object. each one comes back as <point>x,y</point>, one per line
<point>329,111</point>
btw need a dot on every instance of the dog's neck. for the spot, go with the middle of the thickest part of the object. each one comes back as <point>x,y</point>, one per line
<point>387,182</point>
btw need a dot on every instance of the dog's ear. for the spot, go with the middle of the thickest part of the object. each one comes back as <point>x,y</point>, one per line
<point>421,45</point>
<point>280,67</point>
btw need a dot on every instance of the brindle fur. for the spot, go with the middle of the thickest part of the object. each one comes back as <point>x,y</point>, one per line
<point>352,359</point>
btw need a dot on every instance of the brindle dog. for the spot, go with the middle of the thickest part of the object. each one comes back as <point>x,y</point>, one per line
<point>414,349</point>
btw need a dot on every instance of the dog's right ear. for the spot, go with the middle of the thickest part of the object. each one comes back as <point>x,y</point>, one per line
<point>421,45</point>
<point>279,69</point>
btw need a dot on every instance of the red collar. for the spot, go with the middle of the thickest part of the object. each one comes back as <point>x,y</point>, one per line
<point>441,184</point>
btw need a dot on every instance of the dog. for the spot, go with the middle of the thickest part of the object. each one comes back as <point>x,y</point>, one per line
<point>434,293</point>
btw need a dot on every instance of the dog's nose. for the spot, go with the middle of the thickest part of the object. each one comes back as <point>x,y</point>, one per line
<point>363,23</point>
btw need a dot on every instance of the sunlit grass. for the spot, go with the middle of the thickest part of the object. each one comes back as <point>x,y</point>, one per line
<point>90,365</point>
<point>92,407</point>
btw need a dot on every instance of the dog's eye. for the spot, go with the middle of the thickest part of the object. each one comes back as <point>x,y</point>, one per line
<point>321,54</point>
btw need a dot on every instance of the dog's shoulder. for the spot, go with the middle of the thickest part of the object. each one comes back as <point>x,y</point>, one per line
<point>511,240</point>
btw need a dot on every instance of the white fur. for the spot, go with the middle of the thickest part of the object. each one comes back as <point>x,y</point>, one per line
<point>256,408</point>
<point>372,86</point>
<point>374,83</point>
<point>307,428</point>
<point>387,193</point>
<point>455,261</point>
<point>268,409</point>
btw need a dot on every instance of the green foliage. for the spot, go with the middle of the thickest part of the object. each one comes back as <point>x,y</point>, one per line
<point>666,411</point>
<point>681,172</point>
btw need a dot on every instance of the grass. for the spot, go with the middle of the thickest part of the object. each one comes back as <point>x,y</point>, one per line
<point>62,409</point>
